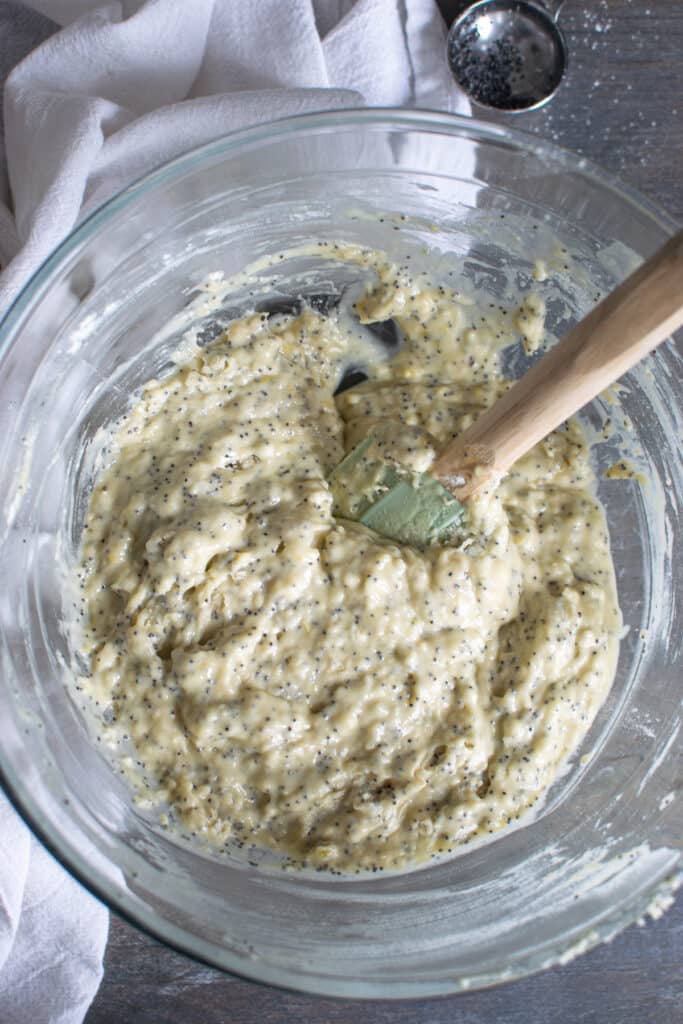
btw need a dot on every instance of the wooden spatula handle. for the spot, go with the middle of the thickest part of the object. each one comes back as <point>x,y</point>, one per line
<point>644,310</point>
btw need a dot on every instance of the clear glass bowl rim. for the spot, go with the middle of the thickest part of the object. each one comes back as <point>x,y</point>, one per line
<point>37,286</point>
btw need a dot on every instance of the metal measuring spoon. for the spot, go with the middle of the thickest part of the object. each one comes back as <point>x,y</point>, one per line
<point>508,54</point>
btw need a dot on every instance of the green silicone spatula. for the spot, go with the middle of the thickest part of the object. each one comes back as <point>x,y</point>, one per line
<point>421,509</point>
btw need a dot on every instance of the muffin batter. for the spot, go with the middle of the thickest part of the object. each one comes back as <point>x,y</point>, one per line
<point>293,681</point>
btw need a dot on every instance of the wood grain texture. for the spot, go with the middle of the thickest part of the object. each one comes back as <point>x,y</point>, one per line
<point>637,979</point>
<point>621,101</point>
<point>621,330</point>
<point>621,105</point>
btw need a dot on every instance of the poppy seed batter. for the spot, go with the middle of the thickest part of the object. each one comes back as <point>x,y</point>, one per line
<point>293,681</point>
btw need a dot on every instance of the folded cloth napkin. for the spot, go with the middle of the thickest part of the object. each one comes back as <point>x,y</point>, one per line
<point>129,85</point>
<point>117,91</point>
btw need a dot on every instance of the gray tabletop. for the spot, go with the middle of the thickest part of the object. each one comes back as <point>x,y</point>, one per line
<point>621,105</point>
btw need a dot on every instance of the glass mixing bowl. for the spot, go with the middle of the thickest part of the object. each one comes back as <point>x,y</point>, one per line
<point>606,845</point>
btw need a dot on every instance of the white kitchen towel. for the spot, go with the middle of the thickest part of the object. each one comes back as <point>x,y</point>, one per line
<point>52,933</point>
<point>131,84</point>
<point>120,89</point>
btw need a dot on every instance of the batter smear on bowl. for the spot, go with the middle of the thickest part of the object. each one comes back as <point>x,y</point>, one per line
<point>291,680</point>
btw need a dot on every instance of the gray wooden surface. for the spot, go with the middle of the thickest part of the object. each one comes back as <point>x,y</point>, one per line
<point>621,105</point>
<point>638,979</point>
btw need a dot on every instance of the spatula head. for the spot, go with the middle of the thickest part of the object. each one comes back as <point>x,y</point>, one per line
<point>412,508</point>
